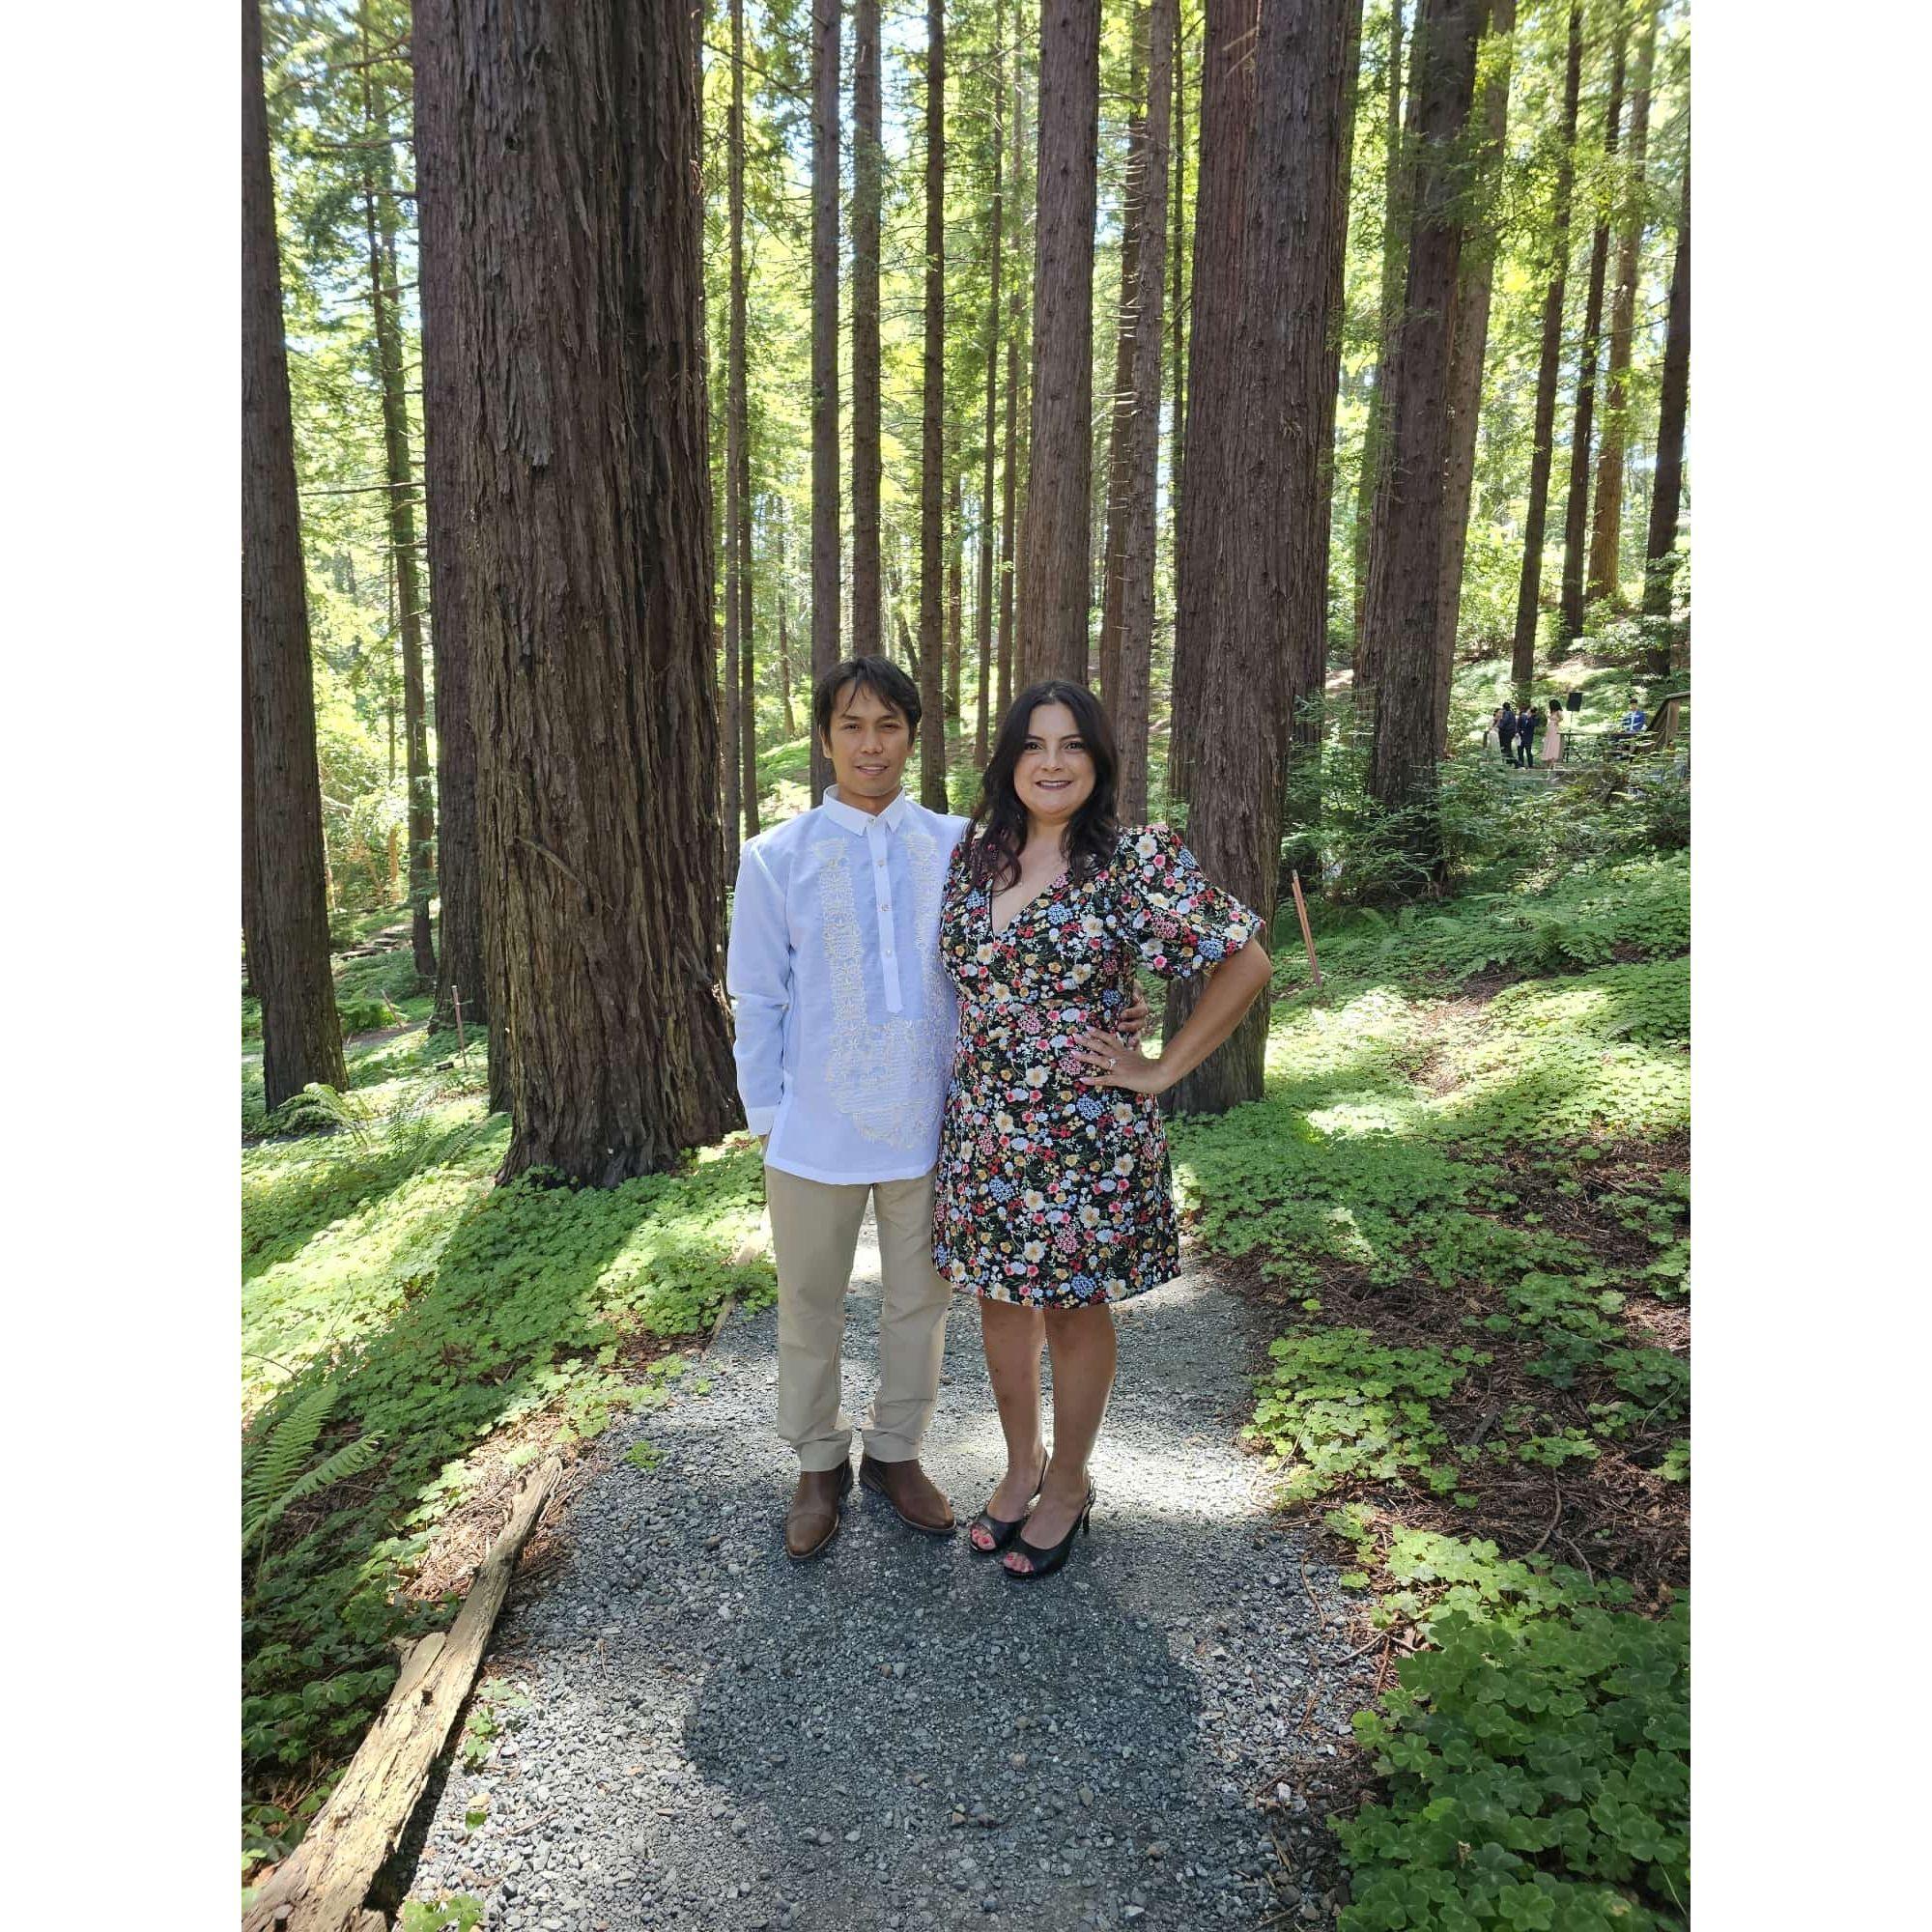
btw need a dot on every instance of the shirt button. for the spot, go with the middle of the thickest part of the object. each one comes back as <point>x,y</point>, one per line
<point>880,862</point>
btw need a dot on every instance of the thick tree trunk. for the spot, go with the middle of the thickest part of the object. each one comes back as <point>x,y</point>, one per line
<point>1141,433</point>
<point>932,432</point>
<point>1395,239</point>
<point>1529,587</point>
<point>1607,511</point>
<point>1017,322</point>
<point>735,465</point>
<point>1577,506</point>
<point>1469,335</point>
<point>1176,245</point>
<point>1274,528</point>
<point>1226,119</point>
<point>867,596</point>
<point>1056,542</point>
<point>1402,621</point>
<point>448,434</point>
<point>825,37</point>
<point>1666,500</point>
<point>288,944</point>
<point>995,243</point>
<point>1121,403</point>
<point>575,180</point>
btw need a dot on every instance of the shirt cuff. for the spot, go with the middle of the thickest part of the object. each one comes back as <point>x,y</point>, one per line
<point>759,1118</point>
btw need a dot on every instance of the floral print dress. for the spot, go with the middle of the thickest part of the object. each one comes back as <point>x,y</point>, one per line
<point>1051,1191</point>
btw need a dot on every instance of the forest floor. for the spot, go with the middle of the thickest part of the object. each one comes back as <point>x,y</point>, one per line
<point>1434,1343</point>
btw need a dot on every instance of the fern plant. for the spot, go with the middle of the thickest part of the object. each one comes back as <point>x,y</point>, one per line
<point>273,1476</point>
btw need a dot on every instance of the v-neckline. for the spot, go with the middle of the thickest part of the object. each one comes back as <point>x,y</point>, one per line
<point>1025,905</point>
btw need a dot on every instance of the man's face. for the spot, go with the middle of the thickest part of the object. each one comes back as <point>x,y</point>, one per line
<point>869,743</point>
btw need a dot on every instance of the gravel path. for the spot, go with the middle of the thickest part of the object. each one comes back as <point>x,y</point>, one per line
<point>892,1736</point>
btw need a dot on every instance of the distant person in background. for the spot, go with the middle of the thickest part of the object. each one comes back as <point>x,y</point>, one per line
<point>1525,734</point>
<point>1492,738</point>
<point>1506,728</point>
<point>1635,722</point>
<point>1551,753</point>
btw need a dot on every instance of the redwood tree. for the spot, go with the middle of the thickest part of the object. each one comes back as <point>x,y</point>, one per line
<point>1272,554</point>
<point>1220,210</point>
<point>1469,339</point>
<point>996,217</point>
<point>447,436</point>
<point>825,40</point>
<point>932,432</point>
<point>1401,620</point>
<point>575,189</point>
<point>1667,499</point>
<point>286,897</point>
<point>1577,506</point>
<point>1529,587</point>
<point>1607,504</point>
<point>1140,434</point>
<point>1055,540</point>
<point>867,592</point>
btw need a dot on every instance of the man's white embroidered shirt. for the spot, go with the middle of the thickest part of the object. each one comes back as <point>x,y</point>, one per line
<point>845,1017</point>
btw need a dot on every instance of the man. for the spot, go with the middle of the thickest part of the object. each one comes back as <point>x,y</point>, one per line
<point>845,1024</point>
<point>1525,732</point>
<point>1635,722</point>
<point>844,1042</point>
<point>1506,726</point>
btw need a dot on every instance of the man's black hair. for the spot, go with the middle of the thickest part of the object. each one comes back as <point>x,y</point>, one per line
<point>881,676</point>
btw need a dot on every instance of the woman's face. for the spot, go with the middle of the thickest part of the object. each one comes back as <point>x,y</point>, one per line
<point>1054,776</point>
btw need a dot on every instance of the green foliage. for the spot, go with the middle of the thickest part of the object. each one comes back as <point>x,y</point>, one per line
<point>1339,1404</point>
<point>1538,1778</point>
<point>458,1914</point>
<point>269,1481</point>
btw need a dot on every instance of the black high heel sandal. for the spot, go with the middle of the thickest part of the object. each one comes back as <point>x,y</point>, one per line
<point>998,1527</point>
<point>1046,1561</point>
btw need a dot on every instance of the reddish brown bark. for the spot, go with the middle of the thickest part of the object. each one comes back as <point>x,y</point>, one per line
<point>932,432</point>
<point>867,591</point>
<point>825,39</point>
<point>574,191</point>
<point>287,941</point>
<point>1056,543</point>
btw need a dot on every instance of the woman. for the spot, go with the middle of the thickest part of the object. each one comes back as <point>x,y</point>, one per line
<point>1551,753</point>
<point>1052,1199</point>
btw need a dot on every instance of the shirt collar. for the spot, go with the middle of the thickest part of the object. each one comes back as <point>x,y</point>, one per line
<point>854,820</point>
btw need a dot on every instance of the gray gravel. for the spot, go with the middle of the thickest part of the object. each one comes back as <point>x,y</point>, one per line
<point>892,1736</point>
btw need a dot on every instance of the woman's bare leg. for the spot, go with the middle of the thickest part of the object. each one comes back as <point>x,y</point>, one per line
<point>1013,1336</point>
<point>1082,1344</point>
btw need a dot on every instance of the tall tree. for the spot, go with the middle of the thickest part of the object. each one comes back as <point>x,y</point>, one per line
<point>1121,403</point>
<point>783,588</point>
<point>825,40</point>
<point>1529,587</point>
<point>1401,622</point>
<point>739,535</point>
<point>866,597</point>
<point>385,344</point>
<point>956,589</point>
<point>594,679</point>
<point>1577,506</point>
<point>996,217</point>
<point>1220,232</point>
<point>1141,433</point>
<point>1394,242</point>
<point>288,943</point>
<point>1178,253</point>
<point>1469,335</point>
<point>1056,539</point>
<point>735,467</point>
<point>1272,554</point>
<point>1666,497</point>
<point>1607,509</point>
<point>932,431</point>
<point>1017,322</point>
<point>442,271</point>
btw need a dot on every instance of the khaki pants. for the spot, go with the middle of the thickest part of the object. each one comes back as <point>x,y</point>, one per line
<point>814,1237</point>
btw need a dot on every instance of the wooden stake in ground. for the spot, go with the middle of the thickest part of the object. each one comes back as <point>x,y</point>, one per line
<point>324,1884</point>
<point>1307,937</point>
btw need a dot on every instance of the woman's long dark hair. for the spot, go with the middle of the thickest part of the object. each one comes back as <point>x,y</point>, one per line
<point>998,831</point>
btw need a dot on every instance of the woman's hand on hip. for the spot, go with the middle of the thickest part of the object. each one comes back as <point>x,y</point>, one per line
<point>1105,1061</point>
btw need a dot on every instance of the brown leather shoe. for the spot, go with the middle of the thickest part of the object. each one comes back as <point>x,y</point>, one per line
<point>913,1494</point>
<point>812,1520</point>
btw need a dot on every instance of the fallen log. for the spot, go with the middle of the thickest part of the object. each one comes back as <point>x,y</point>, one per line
<point>323,1886</point>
